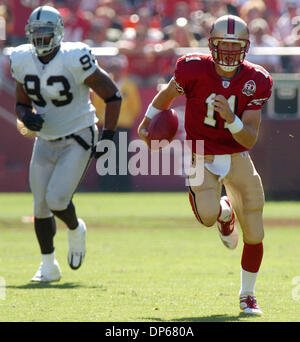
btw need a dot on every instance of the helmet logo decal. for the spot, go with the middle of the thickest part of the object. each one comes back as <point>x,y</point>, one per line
<point>249,88</point>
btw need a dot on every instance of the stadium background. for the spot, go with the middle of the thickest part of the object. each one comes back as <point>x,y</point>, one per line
<point>145,38</point>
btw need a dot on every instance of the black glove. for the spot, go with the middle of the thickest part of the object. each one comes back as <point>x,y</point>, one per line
<point>106,135</point>
<point>34,122</point>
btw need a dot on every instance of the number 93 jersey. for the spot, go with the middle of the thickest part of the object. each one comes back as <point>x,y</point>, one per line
<point>57,89</point>
<point>196,78</point>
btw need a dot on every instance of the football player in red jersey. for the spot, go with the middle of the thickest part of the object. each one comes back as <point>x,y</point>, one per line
<point>224,97</point>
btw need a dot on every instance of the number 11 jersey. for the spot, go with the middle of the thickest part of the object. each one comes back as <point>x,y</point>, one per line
<point>195,76</point>
<point>57,88</point>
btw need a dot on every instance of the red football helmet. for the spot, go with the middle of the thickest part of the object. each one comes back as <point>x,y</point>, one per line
<point>229,28</point>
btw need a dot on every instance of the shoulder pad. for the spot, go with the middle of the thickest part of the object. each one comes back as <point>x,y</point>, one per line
<point>74,47</point>
<point>20,51</point>
<point>192,57</point>
<point>73,51</point>
<point>78,59</point>
<point>262,70</point>
<point>19,59</point>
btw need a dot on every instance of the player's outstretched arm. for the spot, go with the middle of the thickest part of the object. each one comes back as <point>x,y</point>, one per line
<point>104,87</point>
<point>162,100</point>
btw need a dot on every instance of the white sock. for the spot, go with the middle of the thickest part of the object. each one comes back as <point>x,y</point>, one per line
<point>248,280</point>
<point>48,258</point>
<point>226,212</point>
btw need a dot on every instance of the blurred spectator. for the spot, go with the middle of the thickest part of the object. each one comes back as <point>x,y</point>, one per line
<point>3,19</point>
<point>292,63</point>
<point>148,31</point>
<point>88,5</point>
<point>232,7</point>
<point>77,23</point>
<point>4,66</point>
<point>216,8</point>
<point>130,111</point>
<point>97,35</point>
<point>169,11</point>
<point>260,37</point>
<point>273,12</point>
<point>20,11</point>
<point>201,26</point>
<point>119,6</point>
<point>181,9</point>
<point>106,28</point>
<point>289,40</point>
<point>284,26</point>
<point>253,9</point>
<point>110,17</point>
<point>295,60</point>
<point>59,4</point>
<point>151,20</point>
<point>133,5</point>
<point>181,33</point>
<point>145,54</point>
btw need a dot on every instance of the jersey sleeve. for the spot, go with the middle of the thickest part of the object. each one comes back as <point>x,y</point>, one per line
<point>81,62</point>
<point>179,76</point>
<point>264,84</point>
<point>186,70</point>
<point>17,58</point>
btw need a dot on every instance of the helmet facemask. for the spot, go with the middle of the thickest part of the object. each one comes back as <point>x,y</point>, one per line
<point>228,60</point>
<point>42,38</point>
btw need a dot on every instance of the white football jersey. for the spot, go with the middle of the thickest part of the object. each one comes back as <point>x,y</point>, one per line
<point>57,88</point>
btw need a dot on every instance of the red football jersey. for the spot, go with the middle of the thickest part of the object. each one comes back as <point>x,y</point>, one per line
<point>195,75</point>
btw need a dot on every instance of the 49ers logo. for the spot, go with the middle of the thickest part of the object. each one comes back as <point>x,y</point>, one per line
<point>249,88</point>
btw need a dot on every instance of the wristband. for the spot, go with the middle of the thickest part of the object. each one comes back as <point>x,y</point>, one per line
<point>236,126</point>
<point>151,111</point>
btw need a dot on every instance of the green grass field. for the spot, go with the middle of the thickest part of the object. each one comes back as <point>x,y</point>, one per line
<point>148,260</point>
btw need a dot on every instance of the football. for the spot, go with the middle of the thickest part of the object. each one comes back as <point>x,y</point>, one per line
<point>163,126</point>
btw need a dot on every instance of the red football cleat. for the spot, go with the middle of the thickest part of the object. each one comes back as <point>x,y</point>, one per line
<point>249,305</point>
<point>227,230</point>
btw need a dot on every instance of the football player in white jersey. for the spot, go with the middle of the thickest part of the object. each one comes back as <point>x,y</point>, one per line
<point>53,81</point>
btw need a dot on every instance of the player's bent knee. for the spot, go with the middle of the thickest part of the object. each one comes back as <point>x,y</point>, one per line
<point>57,202</point>
<point>209,220</point>
<point>41,209</point>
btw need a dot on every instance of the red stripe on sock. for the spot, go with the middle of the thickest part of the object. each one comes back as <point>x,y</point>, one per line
<point>252,257</point>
